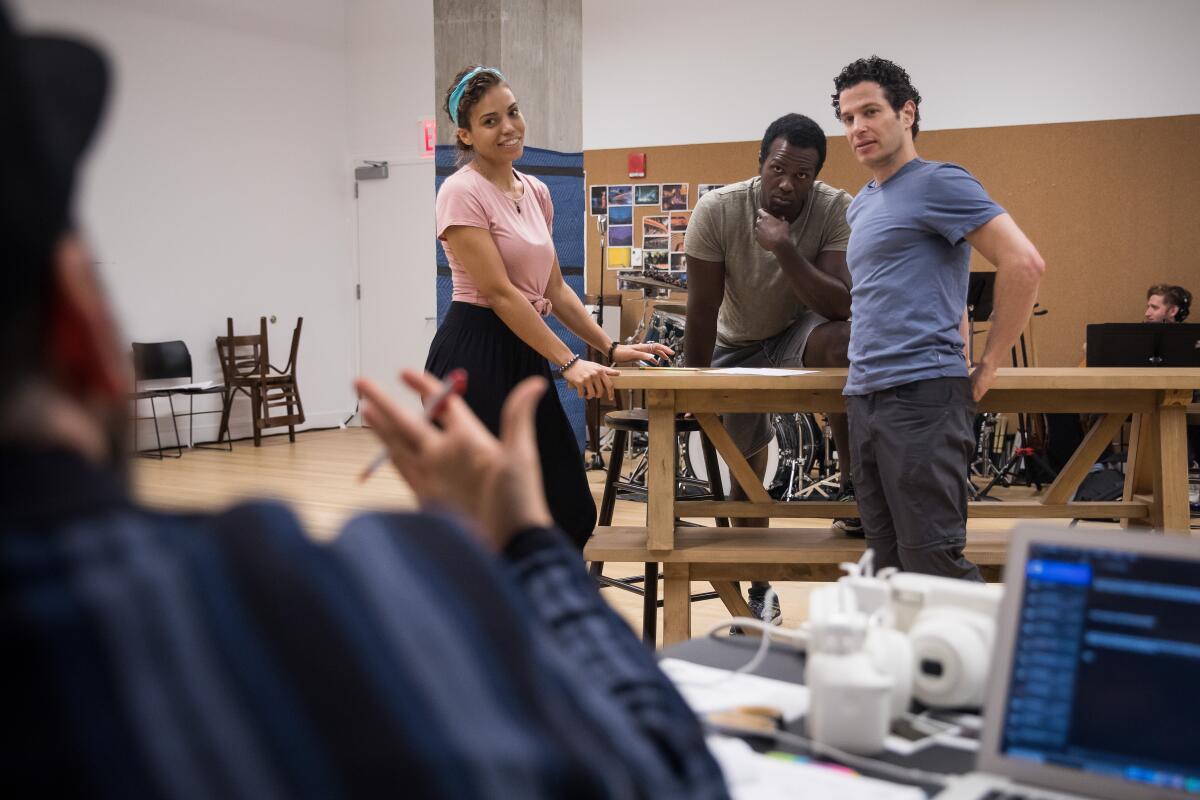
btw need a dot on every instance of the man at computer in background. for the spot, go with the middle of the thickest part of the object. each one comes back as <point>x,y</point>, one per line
<point>151,654</point>
<point>768,285</point>
<point>1167,303</point>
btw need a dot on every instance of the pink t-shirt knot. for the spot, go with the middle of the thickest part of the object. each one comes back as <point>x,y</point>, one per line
<point>543,306</point>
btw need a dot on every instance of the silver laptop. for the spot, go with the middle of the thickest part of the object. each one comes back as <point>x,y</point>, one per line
<point>1095,682</point>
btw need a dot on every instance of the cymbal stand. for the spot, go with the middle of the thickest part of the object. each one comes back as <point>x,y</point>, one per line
<point>829,485</point>
<point>597,461</point>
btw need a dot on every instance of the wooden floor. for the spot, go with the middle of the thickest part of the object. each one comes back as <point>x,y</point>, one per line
<point>318,476</point>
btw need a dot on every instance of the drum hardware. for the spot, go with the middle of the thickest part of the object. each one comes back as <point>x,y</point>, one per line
<point>651,289</point>
<point>792,457</point>
<point>989,453</point>
<point>1025,459</point>
<point>596,462</point>
<point>668,329</point>
<point>633,487</point>
<point>989,432</point>
<point>1027,456</point>
<point>801,463</point>
<point>828,483</point>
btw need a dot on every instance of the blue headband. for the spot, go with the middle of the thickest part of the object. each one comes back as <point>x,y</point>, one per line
<point>456,95</point>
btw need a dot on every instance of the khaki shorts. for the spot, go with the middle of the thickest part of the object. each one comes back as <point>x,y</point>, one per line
<point>784,350</point>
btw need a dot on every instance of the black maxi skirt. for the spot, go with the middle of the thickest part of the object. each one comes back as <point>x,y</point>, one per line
<point>496,360</point>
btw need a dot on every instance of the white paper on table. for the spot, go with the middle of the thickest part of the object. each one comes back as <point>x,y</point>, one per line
<point>708,689</point>
<point>753,776</point>
<point>197,385</point>
<point>761,371</point>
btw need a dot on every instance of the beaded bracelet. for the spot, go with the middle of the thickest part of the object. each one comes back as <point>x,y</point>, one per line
<point>570,363</point>
<point>612,348</point>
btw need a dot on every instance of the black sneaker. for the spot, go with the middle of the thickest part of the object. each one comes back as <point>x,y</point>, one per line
<point>758,606</point>
<point>848,526</point>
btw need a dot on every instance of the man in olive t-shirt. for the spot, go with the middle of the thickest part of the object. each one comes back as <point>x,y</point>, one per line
<point>767,280</point>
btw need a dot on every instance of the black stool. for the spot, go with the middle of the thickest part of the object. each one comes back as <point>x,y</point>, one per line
<point>623,423</point>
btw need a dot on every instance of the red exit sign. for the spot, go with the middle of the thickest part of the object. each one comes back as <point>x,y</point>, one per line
<point>429,133</point>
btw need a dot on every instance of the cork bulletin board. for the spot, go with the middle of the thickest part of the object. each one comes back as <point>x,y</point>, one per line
<point>1113,207</point>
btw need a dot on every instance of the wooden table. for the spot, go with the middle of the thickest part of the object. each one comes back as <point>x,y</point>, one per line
<point>1156,479</point>
<point>1155,484</point>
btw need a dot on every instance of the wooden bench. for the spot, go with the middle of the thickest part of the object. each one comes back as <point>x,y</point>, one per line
<point>725,555</point>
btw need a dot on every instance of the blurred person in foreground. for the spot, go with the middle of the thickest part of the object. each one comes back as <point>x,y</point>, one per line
<point>460,651</point>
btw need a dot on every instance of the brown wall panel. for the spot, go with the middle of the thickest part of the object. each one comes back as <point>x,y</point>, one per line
<point>1113,206</point>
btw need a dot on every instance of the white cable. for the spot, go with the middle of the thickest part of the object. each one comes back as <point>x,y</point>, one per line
<point>861,763</point>
<point>796,636</point>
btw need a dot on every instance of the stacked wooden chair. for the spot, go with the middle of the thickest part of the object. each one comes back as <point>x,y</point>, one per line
<point>246,365</point>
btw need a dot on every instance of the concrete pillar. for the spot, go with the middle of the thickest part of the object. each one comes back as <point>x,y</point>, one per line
<point>537,44</point>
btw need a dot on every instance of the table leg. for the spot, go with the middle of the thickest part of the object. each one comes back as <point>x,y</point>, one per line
<point>677,605</point>
<point>660,472</point>
<point>1139,478</point>
<point>1077,468</point>
<point>733,600</point>
<point>1170,469</point>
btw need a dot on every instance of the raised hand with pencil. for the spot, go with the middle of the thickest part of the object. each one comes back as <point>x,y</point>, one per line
<point>457,465</point>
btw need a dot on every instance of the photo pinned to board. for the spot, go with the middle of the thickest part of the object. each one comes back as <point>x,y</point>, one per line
<point>705,188</point>
<point>656,225</point>
<point>655,259</point>
<point>678,262</point>
<point>620,236</point>
<point>655,243</point>
<point>620,215</point>
<point>619,257</point>
<point>677,241</point>
<point>599,195</point>
<point>679,220</point>
<point>646,194</point>
<point>620,195</point>
<point>674,197</point>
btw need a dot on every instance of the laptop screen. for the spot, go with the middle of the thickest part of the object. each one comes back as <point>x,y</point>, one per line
<point>1106,666</point>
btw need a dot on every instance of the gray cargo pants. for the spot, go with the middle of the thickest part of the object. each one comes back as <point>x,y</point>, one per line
<point>911,446</point>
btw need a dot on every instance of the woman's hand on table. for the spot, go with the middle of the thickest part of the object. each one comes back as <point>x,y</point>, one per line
<point>590,380</point>
<point>633,353</point>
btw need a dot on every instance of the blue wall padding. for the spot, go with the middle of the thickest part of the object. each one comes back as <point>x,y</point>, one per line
<point>563,175</point>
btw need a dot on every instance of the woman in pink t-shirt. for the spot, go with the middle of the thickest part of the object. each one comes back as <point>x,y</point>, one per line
<point>495,225</point>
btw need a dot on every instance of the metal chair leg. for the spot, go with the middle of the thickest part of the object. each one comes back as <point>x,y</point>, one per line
<point>175,425</point>
<point>608,500</point>
<point>650,606</point>
<point>714,475</point>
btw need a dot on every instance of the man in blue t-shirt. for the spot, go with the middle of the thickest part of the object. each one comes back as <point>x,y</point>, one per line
<point>910,394</point>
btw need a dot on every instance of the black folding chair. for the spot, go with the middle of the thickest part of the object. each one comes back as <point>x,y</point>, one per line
<point>162,361</point>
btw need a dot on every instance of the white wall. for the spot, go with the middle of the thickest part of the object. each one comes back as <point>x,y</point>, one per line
<point>391,68</point>
<point>715,71</point>
<point>223,183</point>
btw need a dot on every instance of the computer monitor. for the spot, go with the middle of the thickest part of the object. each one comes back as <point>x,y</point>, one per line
<point>1143,344</point>
<point>1094,683</point>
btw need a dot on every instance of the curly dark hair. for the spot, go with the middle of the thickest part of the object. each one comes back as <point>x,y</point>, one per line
<point>891,77</point>
<point>477,87</point>
<point>1172,295</point>
<point>799,131</point>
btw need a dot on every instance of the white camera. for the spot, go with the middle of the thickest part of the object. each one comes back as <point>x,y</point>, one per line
<point>951,625</point>
<point>877,641</point>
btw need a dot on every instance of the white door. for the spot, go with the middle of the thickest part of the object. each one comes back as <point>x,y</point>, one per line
<point>397,273</point>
